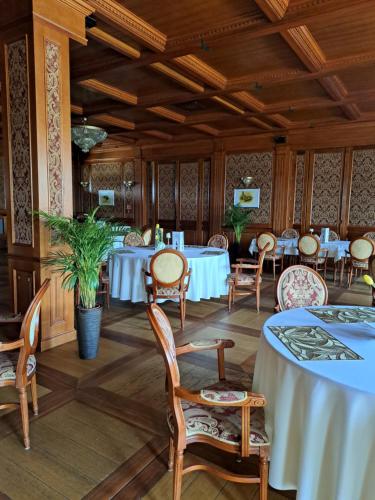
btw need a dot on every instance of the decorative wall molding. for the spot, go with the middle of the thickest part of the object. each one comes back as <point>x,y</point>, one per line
<point>362,201</point>
<point>53,106</point>
<point>19,141</point>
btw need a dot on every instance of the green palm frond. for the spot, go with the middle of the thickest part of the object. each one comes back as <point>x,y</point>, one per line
<point>238,218</point>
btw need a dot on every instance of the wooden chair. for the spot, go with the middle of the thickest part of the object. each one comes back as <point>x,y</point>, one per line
<point>103,288</point>
<point>360,250</point>
<point>290,233</point>
<point>300,286</point>
<point>147,236</point>
<point>277,259</point>
<point>310,253</point>
<point>221,416</point>
<point>333,236</point>
<point>18,368</point>
<point>371,268</point>
<point>218,241</point>
<point>370,235</point>
<point>243,283</point>
<point>133,239</point>
<point>170,279</point>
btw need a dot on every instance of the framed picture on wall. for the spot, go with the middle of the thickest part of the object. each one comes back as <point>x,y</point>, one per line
<point>106,197</point>
<point>247,198</point>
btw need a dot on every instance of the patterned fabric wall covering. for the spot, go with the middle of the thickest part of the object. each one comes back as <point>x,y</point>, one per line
<point>107,176</point>
<point>2,185</point>
<point>189,178</point>
<point>362,201</point>
<point>54,160</point>
<point>327,188</point>
<point>259,166</point>
<point>206,191</point>
<point>300,175</point>
<point>18,84</point>
<point>129,172</point>
<point>167,179</point>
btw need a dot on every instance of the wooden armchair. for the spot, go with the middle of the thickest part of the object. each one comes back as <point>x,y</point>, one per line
<point>290,233</point>
<point>170,279</point>
<point>147,236</point>
<point>242,282</point>
<point>310,253</point>
<point>218,241</point>
<point>133,239</point>
<point>277,258</point>
<point>360,251</point>
<point>226,418</point>
<point>18,363</point>
<point>103,288</point>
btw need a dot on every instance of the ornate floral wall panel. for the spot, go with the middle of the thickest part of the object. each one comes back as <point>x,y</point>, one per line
<point>128,173</point>
<point>189,180</point>
<point>167,180</point>
<point>328,167</point>
<point>362,200</point>
<point>206,191</point>
<point>20,157</point>
<point>107,176</point>
<point>53,96</point>
<point>300,176</point>
<point>2,185</point>
<point>259,166</point>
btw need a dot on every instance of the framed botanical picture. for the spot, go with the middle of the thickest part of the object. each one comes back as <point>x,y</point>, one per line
<point>106,197</point>
<point>247,198</point>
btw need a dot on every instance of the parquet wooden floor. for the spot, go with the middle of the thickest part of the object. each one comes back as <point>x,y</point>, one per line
<point>101,431</point>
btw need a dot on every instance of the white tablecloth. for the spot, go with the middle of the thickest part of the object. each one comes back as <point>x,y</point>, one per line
<point>320,414</point>
<point>208,273</point>
<point>336,249</point>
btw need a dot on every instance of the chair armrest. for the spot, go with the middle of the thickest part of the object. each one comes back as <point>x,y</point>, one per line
<point>209,397</point>
<point>12,345</point>
<point>15,318</point>
<point>250,261</point>
<point>204,345</point>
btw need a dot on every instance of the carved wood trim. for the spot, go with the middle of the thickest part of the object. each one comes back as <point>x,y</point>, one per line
<point>113,92</point>
<point>113,120</point>
<point>114,43</point>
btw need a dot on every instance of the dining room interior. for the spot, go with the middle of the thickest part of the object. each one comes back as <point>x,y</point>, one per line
<point>187,249</point>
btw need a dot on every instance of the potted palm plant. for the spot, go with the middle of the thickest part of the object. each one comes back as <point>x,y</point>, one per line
<point>86,245</point>
<point>237,218</point>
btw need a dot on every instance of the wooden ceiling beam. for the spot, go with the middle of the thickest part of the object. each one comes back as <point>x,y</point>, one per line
<point>75,108</point>
<point>227,104</point>
<point>259,123</point>
<point>177,77</point>
<point>114,43</point>
<point>113,120</point>
<point>121,17</point>
<point>206,129</point>
<point>205,72</point>
<point>158,134</point>
<point>109,90</point>
<point>167,113</point>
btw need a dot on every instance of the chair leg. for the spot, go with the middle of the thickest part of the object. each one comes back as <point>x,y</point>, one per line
<point>182,313</point>
<point>230,291</point>
<point>24,416</point>
<point>34,395</point>
<point>107,298</point>
<point>177,471</point>
<point>257,294</point>
<point>263,487</point>
<point>274,269</point>
<point>171,455</point>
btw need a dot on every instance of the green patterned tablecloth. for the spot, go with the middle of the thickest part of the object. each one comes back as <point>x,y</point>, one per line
<point>344,314</point>
<point>312,343</point>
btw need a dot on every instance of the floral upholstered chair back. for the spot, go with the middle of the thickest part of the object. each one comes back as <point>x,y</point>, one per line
<point>370,235</point>
<point>290,233</point>
<point>218,241</point>
<point>168,269</point>
<point>308,245</point>
<point>300,286</point>
<point>267,238</point>
<point>133,239</point>
<point>147,235</point>
<point>361,249</point>
<point>333,236</point>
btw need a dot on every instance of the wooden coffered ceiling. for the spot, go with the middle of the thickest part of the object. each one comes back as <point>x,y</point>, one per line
<point>160,70</point>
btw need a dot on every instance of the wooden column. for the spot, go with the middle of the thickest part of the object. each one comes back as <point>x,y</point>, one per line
<point>283,188</point>
<point>34,48</point>
<point>140,191</point>
<point>217,190</point>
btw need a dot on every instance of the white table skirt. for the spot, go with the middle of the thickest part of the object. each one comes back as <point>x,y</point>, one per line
<point>336,249</point>
<point>320,414</point>
<point>208,273</point>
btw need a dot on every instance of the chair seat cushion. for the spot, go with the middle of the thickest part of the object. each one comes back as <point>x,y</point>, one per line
<point>174,290</point>
<point>243,278</point>
<point>313,260</point>
<point>222,423</point>
<point>271,256</point>
<point>360,264</point>
<point>8,365</point>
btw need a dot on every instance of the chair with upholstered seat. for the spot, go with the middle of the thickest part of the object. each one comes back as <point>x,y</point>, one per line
<point>103,288</point>
<point>310,253</point>
<point>300,286</point>
<point>18,363</point>
<point>218,241</point>
<point>290,233</point>
<point>133,239</point>
<point>241,282</point>
<point>360,250</point>
<point>170,279</point>
<point>370,235</point>
<point>274,253</point>
<point>147,236</point>
<point>333,236</point>
<point>226,417</point>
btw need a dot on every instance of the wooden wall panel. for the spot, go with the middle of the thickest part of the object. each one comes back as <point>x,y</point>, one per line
<point>206,191</point>
<point>189,180</point>
<point>326,194</point>
<point>299,192</point>
<point>166,191</point>
<point>362,200</point>
<point>259,166</point>
<point>128,175</point>
<point>107,176</point>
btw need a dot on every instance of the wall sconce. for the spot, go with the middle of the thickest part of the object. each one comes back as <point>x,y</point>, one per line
<point>84,184</point>
<point>129,185</point>
<point>246,181</point>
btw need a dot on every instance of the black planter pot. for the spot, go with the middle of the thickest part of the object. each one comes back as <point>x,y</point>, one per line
<point>88,331</point>
<point>234,252</point>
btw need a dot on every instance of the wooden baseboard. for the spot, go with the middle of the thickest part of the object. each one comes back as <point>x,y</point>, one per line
<point>58,340</point>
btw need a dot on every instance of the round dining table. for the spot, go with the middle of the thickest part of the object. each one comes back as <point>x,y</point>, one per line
<point>209,272</point>
<point>316,368</point>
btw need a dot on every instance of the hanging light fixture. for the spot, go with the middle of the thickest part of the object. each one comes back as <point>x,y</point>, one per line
<point>87,136</point>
